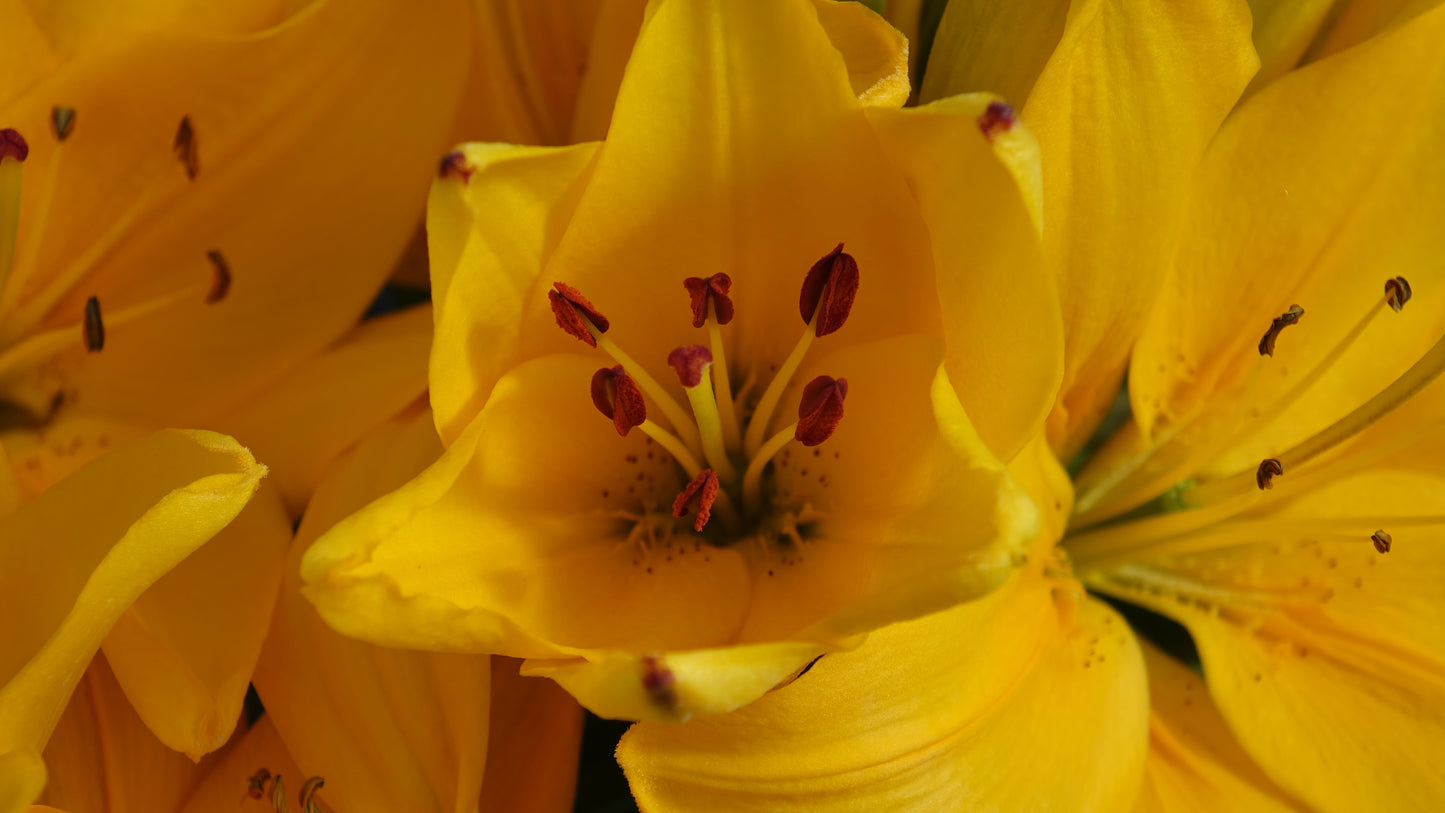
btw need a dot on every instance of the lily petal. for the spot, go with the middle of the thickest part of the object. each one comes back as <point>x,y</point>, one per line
<point>1313,642</point>
<point>1195,764</point>
<point>942,713</point>
<point>388,728</point>
<point>74,571</point>
<point>1120,144</point>
<point>983,45</point>
<point>983,230</point>
<point>225,780</point>
<point>535,732</point>
<point>876,53</point>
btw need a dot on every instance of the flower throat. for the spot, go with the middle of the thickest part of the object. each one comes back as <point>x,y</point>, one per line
<point>721,446</point>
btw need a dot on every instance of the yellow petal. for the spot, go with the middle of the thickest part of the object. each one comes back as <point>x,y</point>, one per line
<point>876,53</point>
<point>298,114</point>
<point>185,650</point>
<point>535,731</point>
<point>489,237</point>
<point>1195,764</point>
<point>22,776</point>
<point>389,729</point>
<point>322,407</point>
<point>81,553</point>
<point>10,494</point>
<point>227,774</point>
<point>1303,200</point>
<point>102,756</point>
<point>1323,655</point>
<point>942,713</point>
<point>1355,21</point>
<point>984,246</point>
<point>618,22</point>
<point>984,45</point>
<point>1283,30</point>
<point>1122,112</point>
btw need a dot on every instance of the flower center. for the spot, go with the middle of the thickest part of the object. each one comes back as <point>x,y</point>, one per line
<point>722,446</point>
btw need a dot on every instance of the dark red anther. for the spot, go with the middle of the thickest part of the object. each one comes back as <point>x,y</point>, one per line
<point>455,165</point>
<point>1284,320</point>
<point>94,327</point>
<point>186,149</point>
<point>1397,291</point>
<point>828,290</point>
<point>1382,541</point>
<point>658,682</point>
<point>698,495</point>
<point>62,121</point>
<point>220,277</point>
<point>997,118</point>
<point>617,396</point>
<point>12,145</point>
<point>1269,468</point>
<point>256,783</point>
<point>820,409</point>
<point>574,312</point>
<point>690,361</point>
<point>716,288</point>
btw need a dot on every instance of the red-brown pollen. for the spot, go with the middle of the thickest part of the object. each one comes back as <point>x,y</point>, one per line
<point>997,118</point>
<point>618,397</point>
<point>701,492</point>
<point>1397,291</point>
<point>820,409</point>
<point>1382,541</point>
<point>1269,468</point>
<point>573,312</point>
<point>714,288</point>
<point>829,290</point>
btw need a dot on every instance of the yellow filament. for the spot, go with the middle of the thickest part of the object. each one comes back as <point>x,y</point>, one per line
<point>1400,390</point>
<point>753,477</point>
<point>674,413</point>
<point>675,447</point>
<point>704,408</point>
<point>732,434</point>
<point>758,423</point>
<point>10,175</point>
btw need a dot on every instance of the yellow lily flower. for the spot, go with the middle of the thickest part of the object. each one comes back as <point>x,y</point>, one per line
<point>151,276</point>
<point>673,571</point>
<point>1246,500</point>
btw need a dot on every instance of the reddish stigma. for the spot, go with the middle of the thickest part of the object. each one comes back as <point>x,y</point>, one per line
<point>697,495</point>
<point>690,361</point>
<point>716,288</point>
<point>12,145</point>
<point>820,409</point>
<point>658,681</point>
<point>997,118</point>
<point>574,312</point>
<point>828,291</point>
<point>617,396</point>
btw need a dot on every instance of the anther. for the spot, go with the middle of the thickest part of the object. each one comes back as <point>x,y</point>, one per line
<point>690,361</point>
<point>1397,293</point>
<point>1382,541</point>
<point>658,681</point>
<point>186,149</point>
<point>94,327</point>
<point>1279,323</point>
<point>1269,468</point>
<point>997,118</point>
<point>220,277</point>
<point>701,493</point>
<point>12,145</point>
<point>454,165</point>
<point>820,409</point>
<point>574,312</point>
<point>62,122</point>
<point>308,793</point>
<point>713,288</point>
<point>256,783</point>
<point>828,291</point>
<point>617,396</point>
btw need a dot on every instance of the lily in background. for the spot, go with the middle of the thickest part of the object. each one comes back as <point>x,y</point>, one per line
<point>701,540</point>
<point>1282,450</point>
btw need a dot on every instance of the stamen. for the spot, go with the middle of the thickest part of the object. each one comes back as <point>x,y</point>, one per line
<point>62,122</point>
<point>256,783</point>
<point>691,363</point>
<point>1381,539</point>
<point>220,279</point>
<point>12,145</point>
<point>820,409</point>
<point>94,327</point>
<point>617,396</point>
<point>1269,468</point>
<point>13,152</point>
<point>575,314</point>
<point>308,792</point>
<point>454,166</point>
<point>828,291</point>
<point>701,492</point>
<point>997,118</point>
<point>1279,323</point>
<point>186,149</point>
<point>712,306</point>
<point>1397,293</point>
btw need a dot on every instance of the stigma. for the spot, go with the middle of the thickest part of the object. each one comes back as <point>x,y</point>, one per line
<point>721,440</point>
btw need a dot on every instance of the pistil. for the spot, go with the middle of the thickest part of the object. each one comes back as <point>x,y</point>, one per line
<point>691,363</point>
<point>712,306</point>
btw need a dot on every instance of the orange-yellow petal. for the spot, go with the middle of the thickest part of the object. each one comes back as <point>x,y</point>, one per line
<point>532,744</point>
<point>988,46</point>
